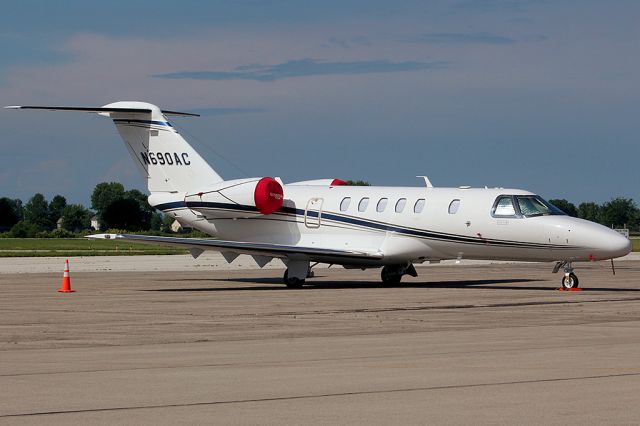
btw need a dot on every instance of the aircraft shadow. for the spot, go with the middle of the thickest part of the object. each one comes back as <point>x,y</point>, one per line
<point>275,284</point>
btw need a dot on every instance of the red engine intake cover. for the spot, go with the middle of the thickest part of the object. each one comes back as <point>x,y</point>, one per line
<point>268,195</point>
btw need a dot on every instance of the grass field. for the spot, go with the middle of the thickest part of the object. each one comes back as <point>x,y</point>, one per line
<point>636,243</point>
<point>63,247</point>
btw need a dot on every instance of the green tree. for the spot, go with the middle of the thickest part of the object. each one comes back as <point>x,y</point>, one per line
<point>620,212</point>
<point>590,211</point>
<point>120,209</point>
<point>10,212</point>
<point>167,221</point>
<point>156,221</point>
<point>56,206</point>
<point>24,229</point>
<point>358,182</point>
<point>566,206</point>
<point>125,213</point>
<point>75,217</point>
<point>104,194</point>
<point>141,198</point>
<point>36,211</point>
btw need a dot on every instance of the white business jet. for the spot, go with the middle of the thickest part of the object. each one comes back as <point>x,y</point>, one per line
<point>326,221</point>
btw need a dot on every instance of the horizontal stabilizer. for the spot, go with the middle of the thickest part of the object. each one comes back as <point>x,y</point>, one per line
<point>102,110</point>
<point>164,159</point>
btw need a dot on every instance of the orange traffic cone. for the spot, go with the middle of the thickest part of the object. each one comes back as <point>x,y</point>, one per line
<point>66,280</point>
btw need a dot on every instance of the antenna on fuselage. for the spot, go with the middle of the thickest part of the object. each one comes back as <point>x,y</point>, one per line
<point>426,181</point>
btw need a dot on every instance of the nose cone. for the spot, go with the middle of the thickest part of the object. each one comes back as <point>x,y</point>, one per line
<point>608,244</point>
<point>616,245</point>
<point>597,242</point>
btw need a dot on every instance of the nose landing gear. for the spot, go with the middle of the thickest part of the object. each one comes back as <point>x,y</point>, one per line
<point>569,280</point>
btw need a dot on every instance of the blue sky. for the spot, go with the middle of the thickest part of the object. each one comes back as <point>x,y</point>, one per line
<point>540,95</point>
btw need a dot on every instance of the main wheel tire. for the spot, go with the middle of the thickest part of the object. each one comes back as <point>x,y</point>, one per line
<point>390,276</point>
<point>292,282</point>
<point>569,282</point>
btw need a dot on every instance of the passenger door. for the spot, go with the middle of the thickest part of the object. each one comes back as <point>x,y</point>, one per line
<point>313,213</point>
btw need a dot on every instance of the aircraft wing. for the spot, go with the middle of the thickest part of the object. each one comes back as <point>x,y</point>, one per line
<point>197,245</point>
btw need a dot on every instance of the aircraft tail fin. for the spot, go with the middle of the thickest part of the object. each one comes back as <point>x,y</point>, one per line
<point>166,161</point>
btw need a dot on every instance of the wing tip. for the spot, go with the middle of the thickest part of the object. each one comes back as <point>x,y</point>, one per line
<point>102,236</point>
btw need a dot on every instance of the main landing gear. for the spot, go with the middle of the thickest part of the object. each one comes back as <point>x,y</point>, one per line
<point>392,274</point>
<point>296,273</point>
<point>292,282</point>
<point>569,280</point>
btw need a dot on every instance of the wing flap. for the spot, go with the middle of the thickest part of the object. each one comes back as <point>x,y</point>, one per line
<point>255,249</point>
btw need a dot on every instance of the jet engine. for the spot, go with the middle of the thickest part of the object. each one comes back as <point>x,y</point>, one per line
<point>238,198</point>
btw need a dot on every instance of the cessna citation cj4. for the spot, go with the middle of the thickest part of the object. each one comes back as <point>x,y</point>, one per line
<point>354,226</point>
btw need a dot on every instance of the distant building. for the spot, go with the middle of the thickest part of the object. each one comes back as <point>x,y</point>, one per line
<point>95,223</point>
<point>177,227</point>
<point>59,223</point>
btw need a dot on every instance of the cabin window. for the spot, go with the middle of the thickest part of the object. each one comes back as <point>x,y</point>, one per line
<point>382,204</point>
<point>400,205</point>
<point>363,204</point>
<point>454,206</point>
<point>504,207</point>
<point>344,205</point>
<point>419,206</point>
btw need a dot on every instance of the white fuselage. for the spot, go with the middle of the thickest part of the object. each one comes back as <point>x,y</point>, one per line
<point>311,221</point>
<point>428,230</point>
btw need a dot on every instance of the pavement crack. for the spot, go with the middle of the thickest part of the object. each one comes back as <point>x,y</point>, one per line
<point>323,395</point>
<point>446,307</point>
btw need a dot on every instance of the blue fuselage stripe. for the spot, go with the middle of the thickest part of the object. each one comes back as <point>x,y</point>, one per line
<point>380,226</point>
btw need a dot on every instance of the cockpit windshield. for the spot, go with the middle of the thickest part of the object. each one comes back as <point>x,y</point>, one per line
<point>523,205</point>
<point>533,205</point>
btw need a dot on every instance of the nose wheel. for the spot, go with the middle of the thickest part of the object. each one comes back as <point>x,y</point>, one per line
<point>569,280</point>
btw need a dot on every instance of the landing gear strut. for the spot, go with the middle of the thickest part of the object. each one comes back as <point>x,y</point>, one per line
<point>569,280</point>
<point>392,274</point>
<point>292,282</point>
<point>297,271</point>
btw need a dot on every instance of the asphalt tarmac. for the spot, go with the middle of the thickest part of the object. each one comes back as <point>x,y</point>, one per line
<point>482,344</point>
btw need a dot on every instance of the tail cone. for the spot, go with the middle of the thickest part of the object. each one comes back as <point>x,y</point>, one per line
<point>66,280</point>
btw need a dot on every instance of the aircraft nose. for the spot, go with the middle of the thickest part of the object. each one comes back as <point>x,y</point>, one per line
<point>613,244</point>
<point>621,245</point>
